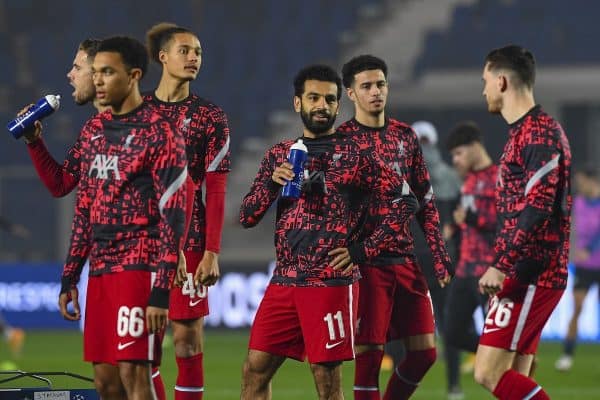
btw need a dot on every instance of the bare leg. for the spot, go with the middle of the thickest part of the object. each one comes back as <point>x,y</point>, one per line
<point>137,380</point>
<point>578,297</point>
<point>490,364</point>
<point>108,382</point>
<point>258,370</point>
<point>328,380</point>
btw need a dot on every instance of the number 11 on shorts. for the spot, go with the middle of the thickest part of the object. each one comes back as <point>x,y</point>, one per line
<point>331,326</point>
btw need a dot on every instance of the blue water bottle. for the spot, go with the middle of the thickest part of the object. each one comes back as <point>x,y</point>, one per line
<point>297,157</point>
<point>44,107</point>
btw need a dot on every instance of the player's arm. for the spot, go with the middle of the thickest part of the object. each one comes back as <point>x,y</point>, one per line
<point>428,216</point>
<point>168,168</point>
<point>541,172</point>
<point>263,192</point>
<point>79,249</point>
<point>218,166</point>
<point>394,200</point>
<point>59,179</point>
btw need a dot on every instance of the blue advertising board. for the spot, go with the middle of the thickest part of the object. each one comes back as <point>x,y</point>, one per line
<point>29,299</point>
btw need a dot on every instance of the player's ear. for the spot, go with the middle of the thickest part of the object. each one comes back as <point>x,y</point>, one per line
<point>162,56</point>
<point>297,104</point>
<point>502,83</point>
<point>136,74</point>
<point>350,93</point>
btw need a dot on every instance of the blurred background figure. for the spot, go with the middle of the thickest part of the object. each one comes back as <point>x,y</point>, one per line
<point>446,188</point>
<point>474,221</point>
<point>14,337</point>
<point>586,253</point>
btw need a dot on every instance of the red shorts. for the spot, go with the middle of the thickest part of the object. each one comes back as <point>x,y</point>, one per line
<point>297,322</point>
<point>394,303</point>
<point>517,315</point>
<point>188,302</point>
<point>115,323</point>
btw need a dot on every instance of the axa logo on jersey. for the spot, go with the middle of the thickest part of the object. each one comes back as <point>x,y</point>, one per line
<point>102,164</point>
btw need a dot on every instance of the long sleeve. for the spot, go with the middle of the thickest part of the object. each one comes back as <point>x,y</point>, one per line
<point>394,200</point>
<point>168,167</point>
<point>80,244</point>
<point>59,179</point>
<point>428,216</point>
<point>218,163</point>
<point>541,172</point>
<point>216,183</point>
<point>263,192</point>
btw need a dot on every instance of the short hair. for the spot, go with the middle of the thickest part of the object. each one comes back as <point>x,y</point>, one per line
<point>516,59</point>
<point>132,51</point>
<point>160,35</point>
<point>90,47</point>
<point>465,133</point>
<point>358,64</point>
<point>317,72</point>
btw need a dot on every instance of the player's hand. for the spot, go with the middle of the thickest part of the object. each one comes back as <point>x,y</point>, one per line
<point>445,280</point>
<point>447,231</point>
<point>283,174</point>
<point>63,301</point>
<point>208,272</point>
<point>460,214</point>
<point>491,281</point>
<point>32,134</point>
<point>156,319</point>
<point>341,260</point>
<point>181,275</point>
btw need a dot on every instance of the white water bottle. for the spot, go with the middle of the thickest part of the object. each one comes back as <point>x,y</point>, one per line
<point>44,107</point>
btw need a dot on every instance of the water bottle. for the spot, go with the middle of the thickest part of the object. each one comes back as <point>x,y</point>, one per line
<point>44,107</point>
<point>297,157</point>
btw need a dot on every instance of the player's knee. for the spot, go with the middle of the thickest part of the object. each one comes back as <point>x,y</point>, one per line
<point>485,376</point>
<point>187,340</point>
<point>327,378</point>
<point>134,375</point>
<point>185,348</point>
<point>109,388</point>
<point>253,371</point>
<point>325,370</point>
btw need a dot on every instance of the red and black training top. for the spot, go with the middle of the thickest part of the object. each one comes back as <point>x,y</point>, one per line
<point>205,130</point>
<point>130,204</point>
<point>478,231</point>
<point>341,176</point>
<point>534,202</point>
<point>398,147</point>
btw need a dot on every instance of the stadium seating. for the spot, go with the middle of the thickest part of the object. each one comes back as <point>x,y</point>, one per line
<point>251,53</point>
<point>548,27</point>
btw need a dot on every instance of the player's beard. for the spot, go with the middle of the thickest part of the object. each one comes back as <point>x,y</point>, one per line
<point>84,96</point>
<point>318,128</point>
<point>494,105</point>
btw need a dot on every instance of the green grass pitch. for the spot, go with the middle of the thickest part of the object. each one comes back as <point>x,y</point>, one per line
<point>225,351</point>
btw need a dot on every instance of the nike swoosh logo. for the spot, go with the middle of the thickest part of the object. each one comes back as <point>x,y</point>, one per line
<point>329,346</point>
<point>96,137</point>
<point>121,346</point>
<point>195,303</point>
<point>490,330</point>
